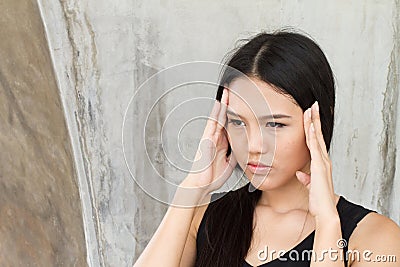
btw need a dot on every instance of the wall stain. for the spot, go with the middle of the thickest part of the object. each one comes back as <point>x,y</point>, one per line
<point>389,113</point>
<point>85,77</point>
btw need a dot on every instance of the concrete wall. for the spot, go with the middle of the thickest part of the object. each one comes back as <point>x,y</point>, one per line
<point>103,51</point>
<point>40,210</point>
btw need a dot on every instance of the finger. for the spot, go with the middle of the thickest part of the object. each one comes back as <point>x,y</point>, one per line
<point>211,124</point>
<point>318,159</point>
<point>204,156</point>
<point>316,120</point>
<point>222,111</point>
<point>230,165</point>
<point>315,117</point>
<point>228,169</point>
<point>315,150</point>
<point>307,122</point>
<point>304,178</point>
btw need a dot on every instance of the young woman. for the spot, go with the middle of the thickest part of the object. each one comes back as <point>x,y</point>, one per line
<point>273,118</point>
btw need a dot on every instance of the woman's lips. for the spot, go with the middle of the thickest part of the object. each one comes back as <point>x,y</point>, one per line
<point>258,168</point>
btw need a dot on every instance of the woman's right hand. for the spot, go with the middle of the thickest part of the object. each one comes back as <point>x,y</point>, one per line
<point>211,167</point>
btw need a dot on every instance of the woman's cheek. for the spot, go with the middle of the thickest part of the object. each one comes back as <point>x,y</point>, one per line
<point>292,146</point>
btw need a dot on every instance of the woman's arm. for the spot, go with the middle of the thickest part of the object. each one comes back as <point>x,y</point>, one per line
<point>326,249</point>
<point>210,170</point>
<point>322,203</point>
<point>167,245</point>
<point>376,240</point>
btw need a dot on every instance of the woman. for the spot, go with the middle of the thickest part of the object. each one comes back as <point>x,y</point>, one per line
<point>274,119</point>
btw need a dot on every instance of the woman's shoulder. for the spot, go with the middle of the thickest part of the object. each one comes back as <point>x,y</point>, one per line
<point>375,233</point>
<point>351,214</point>
<point>365,220</point>
<point>201,209</point>
<point>376,227</point>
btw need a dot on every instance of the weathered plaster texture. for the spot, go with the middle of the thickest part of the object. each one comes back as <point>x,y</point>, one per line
<point>104,50</point>
<point>87,78</point>
<point>40,210</point>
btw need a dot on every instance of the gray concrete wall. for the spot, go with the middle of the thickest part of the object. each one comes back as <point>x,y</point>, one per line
<point>40,209</point>
<point>103,51</point>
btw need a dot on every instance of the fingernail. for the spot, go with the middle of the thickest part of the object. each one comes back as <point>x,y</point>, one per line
<point>312,127</point>
<point>316,106</point>
<point>309,112</point>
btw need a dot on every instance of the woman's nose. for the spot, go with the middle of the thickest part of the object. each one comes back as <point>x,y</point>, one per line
<point>257,142</point>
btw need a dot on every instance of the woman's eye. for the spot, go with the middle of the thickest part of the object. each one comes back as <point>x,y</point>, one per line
<point>237,122</point>
<point>275,124</point>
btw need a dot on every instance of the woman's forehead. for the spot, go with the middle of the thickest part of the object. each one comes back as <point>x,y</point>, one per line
<point>251,94</point>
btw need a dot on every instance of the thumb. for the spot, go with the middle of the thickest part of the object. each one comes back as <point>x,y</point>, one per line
<point>204,156</point>
<point>304,178</point>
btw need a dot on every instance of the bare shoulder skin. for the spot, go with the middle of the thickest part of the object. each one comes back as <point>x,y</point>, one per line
<point>377,238</point>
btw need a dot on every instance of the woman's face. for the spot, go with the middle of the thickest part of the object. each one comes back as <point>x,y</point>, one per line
<point>257,137</point>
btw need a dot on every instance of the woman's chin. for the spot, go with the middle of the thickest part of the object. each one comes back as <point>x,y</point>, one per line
<point>258,181</point>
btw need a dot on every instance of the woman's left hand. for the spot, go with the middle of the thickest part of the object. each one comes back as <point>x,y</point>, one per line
<point>322,200</point>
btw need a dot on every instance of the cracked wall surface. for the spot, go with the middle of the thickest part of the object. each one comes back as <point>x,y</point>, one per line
<point>103,51</point>
<point>40,209</point>
<point>388,146</point>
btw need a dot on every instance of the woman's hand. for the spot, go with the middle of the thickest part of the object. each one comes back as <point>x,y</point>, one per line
<point>211,167</point>
<point>322,201</point>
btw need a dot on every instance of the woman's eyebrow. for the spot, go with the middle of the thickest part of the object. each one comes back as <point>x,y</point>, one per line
<point>272,116</point>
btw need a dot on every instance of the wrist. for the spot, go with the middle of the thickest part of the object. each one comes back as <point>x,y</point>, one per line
<point>193,182</point>
<point>189,194</point>
<point>327,219</point>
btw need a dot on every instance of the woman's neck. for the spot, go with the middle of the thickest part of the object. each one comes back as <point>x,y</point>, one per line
<point>293,195</point>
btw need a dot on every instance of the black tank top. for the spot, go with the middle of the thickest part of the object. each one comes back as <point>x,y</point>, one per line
<point>350,214</point>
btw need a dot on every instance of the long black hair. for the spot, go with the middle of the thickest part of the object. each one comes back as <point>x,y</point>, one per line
<point>296,66</point>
